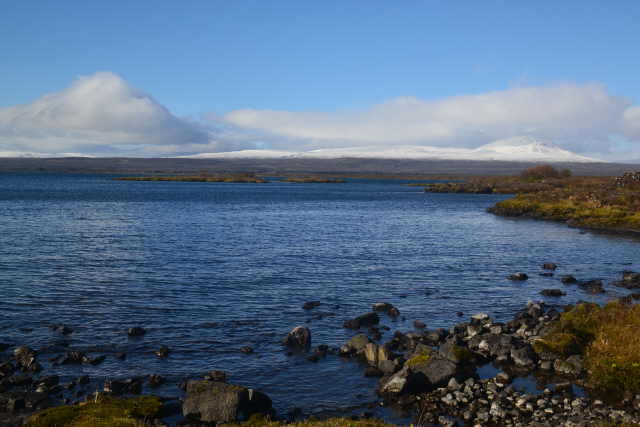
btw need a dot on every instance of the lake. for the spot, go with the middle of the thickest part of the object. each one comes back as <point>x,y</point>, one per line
<point>208,268</point>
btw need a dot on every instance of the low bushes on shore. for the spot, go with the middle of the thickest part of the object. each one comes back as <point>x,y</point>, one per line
<point>237,178</point>
<point>590,202</point>
<point>607,338</point>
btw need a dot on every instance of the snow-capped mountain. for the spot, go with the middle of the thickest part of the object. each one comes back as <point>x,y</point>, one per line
<point>515,149</point>
<point>520,148</point>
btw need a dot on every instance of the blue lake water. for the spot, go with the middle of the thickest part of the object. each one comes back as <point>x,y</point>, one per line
<point>209,268</point>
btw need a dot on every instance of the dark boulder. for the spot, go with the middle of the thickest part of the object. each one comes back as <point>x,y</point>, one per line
<point>568,279</point>
<point>299,337</point>
<point>419,324</point>
<point>437,371</point>
<point>593,286</point>
<point>454,352</point>
<point>387,308</point>
<point>524,357</point>
<point>630,280</point>
<point>26,359</point>
<point>62,329</point>
<point>119,387</point>
<point>216,375</point>
<point>552,293</point>
<point>395,385</point>
<point>155,380</point>
<point>549,266</point>
<point>218,402</point>
<point>368,319</point>
<point>382,307</point>
<point>435,336</point>
<point>162,352</point>
<point>136,331</point>
<point>73,358</point>
<point>372,371</point>
<point>310,304</point>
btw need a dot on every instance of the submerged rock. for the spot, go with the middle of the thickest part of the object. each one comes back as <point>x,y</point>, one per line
<point>62,329</point>
<point>568,279</point>
<point>136,331</point>
<point>246,349</point>
<point>310,304</point>
<point>549,266</point>
<point>553,293</point>
<point>368,319</point>
<point>162,352</point>
<point>593,286</point>
<point>518,277</point>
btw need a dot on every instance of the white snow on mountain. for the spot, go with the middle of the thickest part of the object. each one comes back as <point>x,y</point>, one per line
<point>515,149</point>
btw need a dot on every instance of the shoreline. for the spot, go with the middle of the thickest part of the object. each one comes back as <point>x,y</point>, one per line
<point>432,373</point>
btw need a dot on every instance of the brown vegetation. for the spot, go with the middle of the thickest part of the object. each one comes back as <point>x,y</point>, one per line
<point>314,180</point>
<point>241,178</point>
<point>607,338</point>
<point>590,202</point>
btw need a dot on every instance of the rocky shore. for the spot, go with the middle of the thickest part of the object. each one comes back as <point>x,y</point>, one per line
<point>465,375</point>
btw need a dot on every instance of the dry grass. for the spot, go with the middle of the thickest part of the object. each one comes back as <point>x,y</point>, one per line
<point>608,339</point>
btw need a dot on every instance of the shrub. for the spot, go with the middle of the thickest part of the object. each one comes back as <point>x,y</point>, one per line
<point>537,173</point>
<point>607,337</point>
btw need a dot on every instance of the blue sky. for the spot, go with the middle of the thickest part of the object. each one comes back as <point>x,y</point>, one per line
<point>209,61</point>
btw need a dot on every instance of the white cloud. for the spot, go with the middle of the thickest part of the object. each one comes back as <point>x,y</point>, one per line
<point>95,114</point>
<point>580,117</point>
<point>103,115</point>
<point>631,123</point>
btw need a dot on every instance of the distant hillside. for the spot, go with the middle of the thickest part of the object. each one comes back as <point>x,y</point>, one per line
<point>274,167</point>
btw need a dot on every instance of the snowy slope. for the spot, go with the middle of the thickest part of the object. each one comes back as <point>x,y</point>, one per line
<point>519,148</point>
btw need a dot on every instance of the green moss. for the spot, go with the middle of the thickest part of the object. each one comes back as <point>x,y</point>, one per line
<point>560,343</point>
<point>106,411</point>
<point>462,354</point>
<point>420,358</point>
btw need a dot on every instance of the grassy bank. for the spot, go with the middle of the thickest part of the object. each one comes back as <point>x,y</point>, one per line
<point>105,411</point>
<point>603,203</point>
<point>143,411</point>
<point>607,339</point>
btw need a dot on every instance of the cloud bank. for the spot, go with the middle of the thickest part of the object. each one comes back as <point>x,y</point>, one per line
<point>579,117</point>
<point>102,114</point>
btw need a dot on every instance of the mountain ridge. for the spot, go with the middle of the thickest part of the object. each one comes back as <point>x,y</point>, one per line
<point>518,149</point>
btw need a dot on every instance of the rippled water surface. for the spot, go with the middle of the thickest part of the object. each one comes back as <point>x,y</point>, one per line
<point>208,268</point>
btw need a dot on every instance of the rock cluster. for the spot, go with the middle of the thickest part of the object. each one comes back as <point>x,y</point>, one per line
<point>494,402</point>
